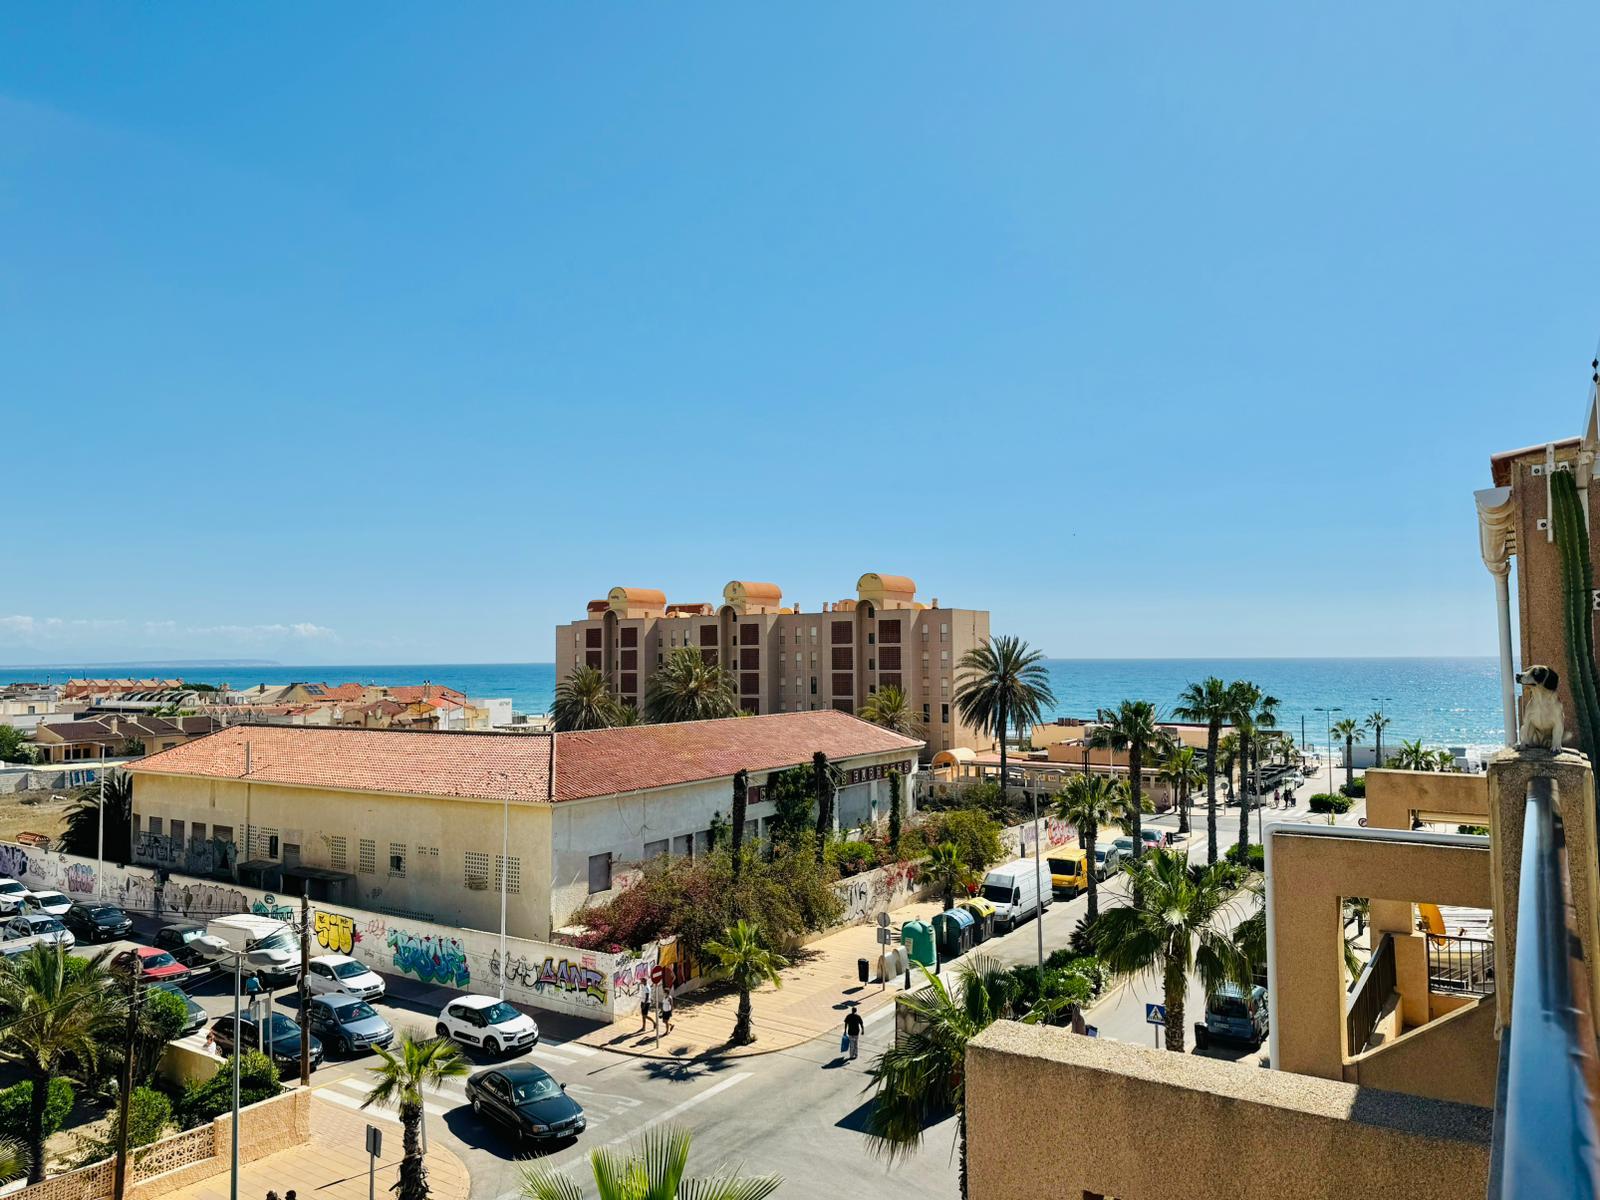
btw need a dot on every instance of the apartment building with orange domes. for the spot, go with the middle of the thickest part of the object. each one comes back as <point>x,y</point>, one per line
<point>786,658</point>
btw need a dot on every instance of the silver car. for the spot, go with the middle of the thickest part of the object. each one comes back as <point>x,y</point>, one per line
<point>46,928</point>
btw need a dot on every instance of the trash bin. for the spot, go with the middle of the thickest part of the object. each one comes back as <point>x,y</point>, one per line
<point>982,918</point>
<point>952,931</point>
<point>917,938</point>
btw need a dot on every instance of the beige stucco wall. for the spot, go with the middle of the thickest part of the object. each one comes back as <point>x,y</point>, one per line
<point>1309,874</point>
<point>1051,1114</point>
<point>1459,1038</point>
<point>1393,796</point>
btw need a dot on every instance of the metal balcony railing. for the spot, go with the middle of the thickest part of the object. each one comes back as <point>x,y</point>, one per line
<point>1461,965</point>
<point>1545,1117</point>
<point>1371,993</point>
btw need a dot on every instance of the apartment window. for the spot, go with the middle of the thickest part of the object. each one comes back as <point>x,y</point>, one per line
<point>944,714</point>
<point>630,636</point>
<point>944,657</point>
<point>889,631</point>
<point>927,714</point>
<point>368,851</point>
<point>842,658</point>
<point>749,682</point>
<point>749,635</point>
<point>842,685</point>
<point>872,664</point>
<point>708,635</point>
<point>508,870</point>
<point>337,852</point>
<point>591,658</point>
<point>890,656</point>
<point>599,873</point>
<point>841,633</point>
<point>924,629</point>
<point>591,639</point>
<point>630,660</point>
<point>813,685</point>
<point>872,638</point>
<point>630,682</point>
<point>683,845</point>
<point>397,860</point>
<point>475,871</point>
<point>796,637</point>
<point>944,631</point>
<point>813,633</point>
<point>749,659</point>
<point>944,687</point>
<point>783,682</point>
<point>656,849</point>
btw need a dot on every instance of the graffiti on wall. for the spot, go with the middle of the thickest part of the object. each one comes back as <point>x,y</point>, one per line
<point>14,861</point>
<point>632,969</point>
<point>872,892</point>
<point>335,931</point>
<point>203,899</point>
<point>431,958</point>
<point>270,906</point>
<point>80,879</point>
<point>574,980</point>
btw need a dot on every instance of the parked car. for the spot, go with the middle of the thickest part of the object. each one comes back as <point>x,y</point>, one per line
<point>1234,1015</point>
<point>281,1039</point>
<point>197,1015</point>
<point>97,922</point>
<point>181,942</point>
<point>1124,847</point>
<point>12,894</point>
<point>1155,839</point>
<point>484,1021</point>
<point>1107,859</point>
<point>154,963</point>
<point>268,945</point>
<point>527,1101</point>
<point>347,1024</point>
<point>1069,871</point>
<point>342,975</point>
<point>53,903</point>
<point>38,925</point>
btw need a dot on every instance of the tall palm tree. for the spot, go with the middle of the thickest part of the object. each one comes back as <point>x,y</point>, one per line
<point>1003,683</point>
<point>654,1172</point>
<point>1086,803</point>
<point>1254,712</point>
<point>1181,770</point>
<point>1134,727</point>
<point>55,1012</point>
<point>82,835</point>
<point>687,688</point>
<point>1351,733</point>
<point>1377,722</point>
<point>583,701</point>
<point>889,708</point>
<point>1208,701</point>
<point>1175,921</point>
<point>946,870</point>
<point>742,958</point>
<point>1413,756</point>
<point>400,1080</point>
<point>922,1075</point>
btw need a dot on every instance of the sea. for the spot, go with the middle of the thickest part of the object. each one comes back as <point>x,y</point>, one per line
<point>1440,701</point>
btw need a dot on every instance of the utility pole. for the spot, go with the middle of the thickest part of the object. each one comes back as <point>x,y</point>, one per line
<point>120,1178</point>
<point>305,1024</point>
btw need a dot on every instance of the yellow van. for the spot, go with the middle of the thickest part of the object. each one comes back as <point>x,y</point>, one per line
<point>1069,872</point>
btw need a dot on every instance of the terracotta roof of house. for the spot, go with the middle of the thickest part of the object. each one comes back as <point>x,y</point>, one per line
<point>518,766</point>
<point>345,691</point>
<point>411,693</point>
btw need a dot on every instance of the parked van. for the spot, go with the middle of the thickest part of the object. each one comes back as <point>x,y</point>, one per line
<point>268,944</point>
<point>1014,892</point>
<point>1069,872</point>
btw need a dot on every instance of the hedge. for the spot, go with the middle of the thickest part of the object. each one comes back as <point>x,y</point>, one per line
<point>1255,858</point>
<point>1355,789</point>
<point>1326,802</point>
<point>15,1099</point>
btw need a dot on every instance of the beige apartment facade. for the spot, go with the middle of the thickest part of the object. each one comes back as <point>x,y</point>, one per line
<point>783,659</point>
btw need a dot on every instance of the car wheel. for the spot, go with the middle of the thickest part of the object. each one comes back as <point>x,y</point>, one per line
<point>477,1108</point>
<point>441,1030</point>
<point>491,1046</point>
<point>342,1047</point>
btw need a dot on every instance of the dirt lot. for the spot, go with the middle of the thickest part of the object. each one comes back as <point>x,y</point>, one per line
<point>34,812</point>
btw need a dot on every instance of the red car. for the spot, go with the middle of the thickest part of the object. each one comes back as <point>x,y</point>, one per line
<point>154,964</point>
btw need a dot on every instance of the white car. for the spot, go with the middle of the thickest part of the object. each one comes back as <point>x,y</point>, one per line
<point>52,903</point>
<point>484,1021</point>
<point>344,976</point>
<point>12,894</point>
<point>38,925</point>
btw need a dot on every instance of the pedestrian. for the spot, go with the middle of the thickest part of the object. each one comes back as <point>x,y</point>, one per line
<point>289,1195</point>
<point>272,1196</point>
<point>666,1008</point>
<point>853,1025</point>
<point>646,1003</point>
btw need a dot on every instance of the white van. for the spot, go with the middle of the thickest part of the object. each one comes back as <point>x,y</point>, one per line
<point>1014,891</point>
<point>268,944</point>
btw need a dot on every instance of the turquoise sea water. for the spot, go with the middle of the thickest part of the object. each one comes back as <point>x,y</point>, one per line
<point>1443,701</point>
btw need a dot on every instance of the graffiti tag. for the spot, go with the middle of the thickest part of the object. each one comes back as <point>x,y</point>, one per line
<point>431,958</point>
<point>335,932</point>
<point>579,981</point>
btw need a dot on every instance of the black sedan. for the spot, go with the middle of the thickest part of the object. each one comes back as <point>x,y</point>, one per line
<point>97,922</point>
<point>527,1101</point>
<point>281,1041</point>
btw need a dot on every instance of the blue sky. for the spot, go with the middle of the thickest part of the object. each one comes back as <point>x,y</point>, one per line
<point>396,332</point>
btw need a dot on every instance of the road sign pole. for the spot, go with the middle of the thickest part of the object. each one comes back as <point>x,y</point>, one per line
<point>374,1148</point>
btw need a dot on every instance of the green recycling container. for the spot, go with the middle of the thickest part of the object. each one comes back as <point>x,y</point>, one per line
<point>917,938</point>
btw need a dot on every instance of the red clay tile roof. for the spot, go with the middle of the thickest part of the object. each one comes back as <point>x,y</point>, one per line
<point>411,693</point>
<point>517,766</point>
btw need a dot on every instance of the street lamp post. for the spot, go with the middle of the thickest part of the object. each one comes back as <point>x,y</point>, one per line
<point>1329,712</point>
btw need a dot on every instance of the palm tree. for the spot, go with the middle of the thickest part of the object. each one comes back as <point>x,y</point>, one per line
<point>688,688</point>
<point>14,1159</point>
<point>1181,770</point>
<point>1377,722</point>
<point>401,1079</point>
<point>889,708</point>
<point>1086,803</point>
<point>1413,756</point>
<point>1003,683</point>
<point>1174,922</point>
<point>1134,727</point>
<point>1208,701</point>
<point>583,701</point>
<point>922,1075</point>
<point>1253,712</point>
<point>82,835</point>
<point>56,1012</point>
<point>655,1172</point>
<point>742,958</point>
<point>945,869</point>
<point>1351,733</point>
<point>1227,756</point>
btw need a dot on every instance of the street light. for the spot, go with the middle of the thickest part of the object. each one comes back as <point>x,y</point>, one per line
<point>1329,712</point>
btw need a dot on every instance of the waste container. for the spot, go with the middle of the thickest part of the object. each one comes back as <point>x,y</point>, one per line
<point>917,938</point>
<point>952,931</point>
<point>982,918</point>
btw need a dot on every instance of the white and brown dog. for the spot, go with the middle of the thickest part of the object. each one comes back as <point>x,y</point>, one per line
<point>1543,723</point>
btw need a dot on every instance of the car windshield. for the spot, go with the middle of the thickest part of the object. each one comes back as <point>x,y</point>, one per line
<point>45,924</point>
<point>999,893</point>
<point>282,1026</point>
<point>536,1089</point>
<point>1099,856</point>
<point>1062,866</point>
<point>159,960</point>
<point>11,887</point>
<point>350,970</point>
<point>499,1014</point>
<point>49,897</point>
<point>278,940</point>
<point>105,913</point>
<point>356,1012</point>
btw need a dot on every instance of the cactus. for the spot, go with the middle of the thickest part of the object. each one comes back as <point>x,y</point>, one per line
<point>1577,587</point>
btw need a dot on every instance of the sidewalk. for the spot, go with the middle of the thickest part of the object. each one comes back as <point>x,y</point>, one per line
<point>333,1165</point>
<point>817,992</point>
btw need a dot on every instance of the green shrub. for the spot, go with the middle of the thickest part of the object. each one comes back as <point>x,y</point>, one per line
<point>975,835</point>
<point>1326,802</point>
<point>1086,965</point>
<point>1480,830</point>
<point>162,1017</point>
<point>15,1099</point>
<point>1255,858</point>
<point>852,857</point>
<point>201,1102</point>
<point>1356,789</point>
<point>149,1113</point>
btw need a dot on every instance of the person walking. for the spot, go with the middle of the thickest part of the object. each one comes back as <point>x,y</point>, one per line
<point>853,1025</point>
<point>646,1005</point>
<point>666,1008</point>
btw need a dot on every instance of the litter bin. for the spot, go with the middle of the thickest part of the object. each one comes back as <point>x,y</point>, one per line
<point>982,918</point>
<point>953,932</point>
<point>917,938</point>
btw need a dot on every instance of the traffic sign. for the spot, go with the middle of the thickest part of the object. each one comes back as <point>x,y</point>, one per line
<point>1155,1014</point>
<point>885,936</point>
<point>658,974</point>
<point>883,920</point>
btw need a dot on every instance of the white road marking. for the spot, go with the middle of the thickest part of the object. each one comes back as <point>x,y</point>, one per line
<point>679,1109</point>
<point>350,1102</point>
<point>541,1052</point>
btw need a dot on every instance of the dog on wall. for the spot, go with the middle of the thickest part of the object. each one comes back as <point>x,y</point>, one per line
<point>1543,723</point>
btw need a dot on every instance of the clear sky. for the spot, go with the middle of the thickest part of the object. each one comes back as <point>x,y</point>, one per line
<point>396,332</point>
